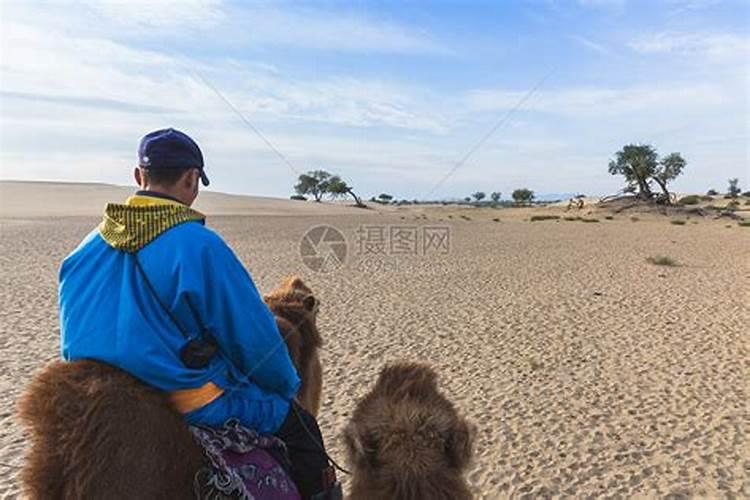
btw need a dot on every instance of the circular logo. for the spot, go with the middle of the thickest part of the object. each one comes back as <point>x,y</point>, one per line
<point>323,248</point>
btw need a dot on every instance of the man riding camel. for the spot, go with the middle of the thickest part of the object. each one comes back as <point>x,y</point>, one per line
<point>156,293</point>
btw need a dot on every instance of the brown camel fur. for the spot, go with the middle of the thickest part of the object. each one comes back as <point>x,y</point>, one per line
<point>97,432</point>
<point>406,441</point>
<point>296,311</point>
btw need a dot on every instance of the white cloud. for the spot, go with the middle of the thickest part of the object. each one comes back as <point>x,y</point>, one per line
<point>715,47</point>
<point>160,14</point>
<point>596,47</point>
<point>599,101</point>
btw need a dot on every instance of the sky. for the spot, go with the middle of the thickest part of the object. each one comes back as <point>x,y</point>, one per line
<point>413,98</point>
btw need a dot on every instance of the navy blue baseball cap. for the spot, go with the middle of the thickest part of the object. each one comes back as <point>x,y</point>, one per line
<point>170,148</point>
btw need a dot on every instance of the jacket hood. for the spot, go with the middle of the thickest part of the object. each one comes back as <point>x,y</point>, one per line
<point>134,224</point>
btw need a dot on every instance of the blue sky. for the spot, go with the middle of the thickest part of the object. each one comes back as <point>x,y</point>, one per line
<point>389,94</point>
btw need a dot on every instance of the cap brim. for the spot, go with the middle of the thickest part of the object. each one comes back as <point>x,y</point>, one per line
<point>204,178</point>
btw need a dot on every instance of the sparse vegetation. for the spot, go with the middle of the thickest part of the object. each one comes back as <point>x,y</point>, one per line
<point>692,199</point>
<point>536,218</point>
<point>662,260</point>
<point>589,220</point>
<point>523,195</point>
<point>678,222</point>
<point>734,189</point>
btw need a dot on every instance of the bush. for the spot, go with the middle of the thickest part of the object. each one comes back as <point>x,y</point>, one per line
<point>495,220</point>
<point>744,223</point>
<point>608,217</point>
<point>298,197</point>
<point>589,220</point>
<point>692,199</point>
<point>535,218</point>
<point>746,194</point>
<point>634,219</point>
<point>678,222</point>
<point>571,219</point>
<point>662,260</point>
<point>712,192</point>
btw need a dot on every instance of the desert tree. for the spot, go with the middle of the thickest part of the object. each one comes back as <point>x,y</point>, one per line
<point>734,189</point>
<point>522,195</point>
<point>385,198</point>
<point>637,163</point>
<point>495,196</point>
<point>479,196</point>
<point>640,164</point>
<point>314,183</point>
<point>336,187</point>
<point>668,169</point>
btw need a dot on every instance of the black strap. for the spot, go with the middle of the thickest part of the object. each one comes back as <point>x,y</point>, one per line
<point>164,307</point>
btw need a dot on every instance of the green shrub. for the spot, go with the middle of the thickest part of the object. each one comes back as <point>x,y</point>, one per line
<point>692,199</point>
<point>536,218</point>
<point>662,260</point>
<point>678,222</point>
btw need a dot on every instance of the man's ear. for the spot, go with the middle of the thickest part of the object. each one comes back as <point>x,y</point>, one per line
<point>138,176</point>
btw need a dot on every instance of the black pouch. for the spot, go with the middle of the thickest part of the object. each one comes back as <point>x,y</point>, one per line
<point>199,352</point>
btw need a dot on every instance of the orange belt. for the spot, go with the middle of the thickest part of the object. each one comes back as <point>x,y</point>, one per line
<point>187,400</point>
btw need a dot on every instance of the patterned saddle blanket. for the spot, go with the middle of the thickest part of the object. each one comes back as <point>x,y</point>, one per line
<point>242,464</point>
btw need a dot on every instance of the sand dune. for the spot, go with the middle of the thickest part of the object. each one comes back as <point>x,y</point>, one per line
<point>588,371</point>
<point>21,199</point>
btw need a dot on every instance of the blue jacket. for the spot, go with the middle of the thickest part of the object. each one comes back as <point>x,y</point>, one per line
<point>108,313</point>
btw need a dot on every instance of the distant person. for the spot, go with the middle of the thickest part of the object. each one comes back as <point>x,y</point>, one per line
<point>156,293</point>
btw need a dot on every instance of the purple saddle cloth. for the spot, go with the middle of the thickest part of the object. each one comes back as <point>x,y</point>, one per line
<point>242,464</point>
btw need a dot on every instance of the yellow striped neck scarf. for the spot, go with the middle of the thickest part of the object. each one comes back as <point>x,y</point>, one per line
<point>137,222</point>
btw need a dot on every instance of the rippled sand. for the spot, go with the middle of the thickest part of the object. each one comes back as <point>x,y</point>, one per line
<point>587,370</point>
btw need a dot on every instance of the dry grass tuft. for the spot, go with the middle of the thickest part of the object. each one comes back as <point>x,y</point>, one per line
<point>662,260</point>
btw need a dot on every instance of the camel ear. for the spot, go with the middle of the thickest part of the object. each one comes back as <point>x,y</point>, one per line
<point>294,282</point>
<point>362,447</point>
<point>309,302</point>
<point>460,445</point>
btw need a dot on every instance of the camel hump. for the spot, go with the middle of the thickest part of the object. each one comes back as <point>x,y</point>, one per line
<point>89,422</point>
<point>407,380</point>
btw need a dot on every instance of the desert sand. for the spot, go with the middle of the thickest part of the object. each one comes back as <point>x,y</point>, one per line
<point>587,370</point>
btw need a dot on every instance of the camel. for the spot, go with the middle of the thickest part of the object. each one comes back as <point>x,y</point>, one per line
<point>97,432</point>
<point>90,421</point>
<point>406,440</point>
